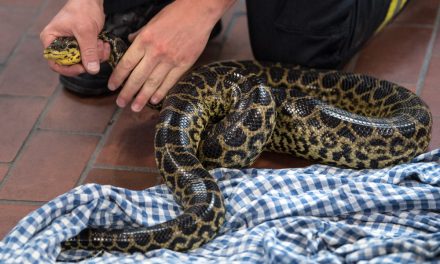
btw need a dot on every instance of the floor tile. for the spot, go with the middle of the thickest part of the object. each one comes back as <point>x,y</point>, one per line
<point>237,45</point>
<point>125,179</point>
<point>431,95</point>
<point>49,166</point>
<point>215,49</point>
<point>435,138</point>
<point>3,170</point>
<point>13,24</point>
<point>21,3</point>
<point>209,54</point>
<point>17,117</point>
<point>70,112</point>
<point>131,142</point>
<point>396,54</point>
<point>28,73</point>
<point>436,49</point>
<point>11,214</point>
<point>421,12</point>
<point>227,23</point>
<point>50,10</point>
<point>431,91</point>
<point>270,160</point>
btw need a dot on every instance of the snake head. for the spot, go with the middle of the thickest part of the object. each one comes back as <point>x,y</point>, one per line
<point>64,51</point>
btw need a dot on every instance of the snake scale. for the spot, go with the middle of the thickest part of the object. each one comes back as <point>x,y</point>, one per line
<point>226,113</point>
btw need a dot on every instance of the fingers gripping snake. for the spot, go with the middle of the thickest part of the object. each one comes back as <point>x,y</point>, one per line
<point>225,114</point>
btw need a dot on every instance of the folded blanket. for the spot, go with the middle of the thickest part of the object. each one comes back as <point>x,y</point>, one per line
<point>318,214</point>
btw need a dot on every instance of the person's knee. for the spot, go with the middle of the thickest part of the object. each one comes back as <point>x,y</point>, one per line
<point>320,34</point>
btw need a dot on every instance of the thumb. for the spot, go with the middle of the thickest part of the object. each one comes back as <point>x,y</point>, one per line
<point>88,44</point>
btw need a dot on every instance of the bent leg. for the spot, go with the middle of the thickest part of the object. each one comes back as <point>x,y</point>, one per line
<point>118,6</point>
<point>321,34</point>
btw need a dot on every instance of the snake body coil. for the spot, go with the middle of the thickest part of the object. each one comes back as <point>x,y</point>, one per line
<point>224,114</point>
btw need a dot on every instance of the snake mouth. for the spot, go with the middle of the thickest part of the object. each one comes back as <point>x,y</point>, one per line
<point>65,58</point>
<point>48,55</point>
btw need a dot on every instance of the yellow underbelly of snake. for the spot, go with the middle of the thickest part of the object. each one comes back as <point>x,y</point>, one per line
<point>225,114</point>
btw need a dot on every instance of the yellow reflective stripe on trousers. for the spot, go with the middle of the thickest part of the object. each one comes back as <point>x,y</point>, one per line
<point>393,10</point>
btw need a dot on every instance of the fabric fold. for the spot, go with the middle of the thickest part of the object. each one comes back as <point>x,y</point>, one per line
<point>318,214</point>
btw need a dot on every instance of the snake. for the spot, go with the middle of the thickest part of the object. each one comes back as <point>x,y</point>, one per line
<point>224,114</point>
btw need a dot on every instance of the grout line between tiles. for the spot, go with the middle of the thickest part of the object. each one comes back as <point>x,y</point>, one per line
<point>126,168</point>
<point>33,131</point>
<point>15,96</point>
<point>22,202</point>
<point>70,132</point>
<point>12,53</point>
<point>428,55</point>
<point>116,114</point>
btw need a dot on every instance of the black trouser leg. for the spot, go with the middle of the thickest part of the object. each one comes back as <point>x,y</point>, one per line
<point>116,6</point>
<point>146,9</point>
<point>125,17</point>
<point>314,33</point>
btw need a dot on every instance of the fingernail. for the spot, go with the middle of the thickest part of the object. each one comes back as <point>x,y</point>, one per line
<point>120,102</point>
<point>93,66</point>
<point>154,100</point>
<point>136,107</point>
<point>111,87</point>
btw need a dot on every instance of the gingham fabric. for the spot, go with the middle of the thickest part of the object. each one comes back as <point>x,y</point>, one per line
<point>318,214</point>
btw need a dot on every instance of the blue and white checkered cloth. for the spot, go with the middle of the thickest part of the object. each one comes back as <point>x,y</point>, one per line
<point>318,214</point>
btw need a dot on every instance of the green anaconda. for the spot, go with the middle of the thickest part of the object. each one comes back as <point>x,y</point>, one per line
<point>226,113</point>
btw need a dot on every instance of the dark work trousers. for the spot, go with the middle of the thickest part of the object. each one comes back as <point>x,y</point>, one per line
<point>116,6</point>
<point>314,33</point>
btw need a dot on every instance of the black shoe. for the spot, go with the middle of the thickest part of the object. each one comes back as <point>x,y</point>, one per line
<point>87,84</point>
<point>120,25</point>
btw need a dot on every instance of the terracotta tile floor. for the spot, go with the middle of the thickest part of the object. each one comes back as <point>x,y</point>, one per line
<point>52,140</point>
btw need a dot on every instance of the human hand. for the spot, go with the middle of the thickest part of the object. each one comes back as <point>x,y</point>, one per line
<point>163,50</point>
<point>83,19</point>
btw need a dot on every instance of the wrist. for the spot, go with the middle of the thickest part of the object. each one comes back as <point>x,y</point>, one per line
<point>99,3</point>
<point>209,10</point>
